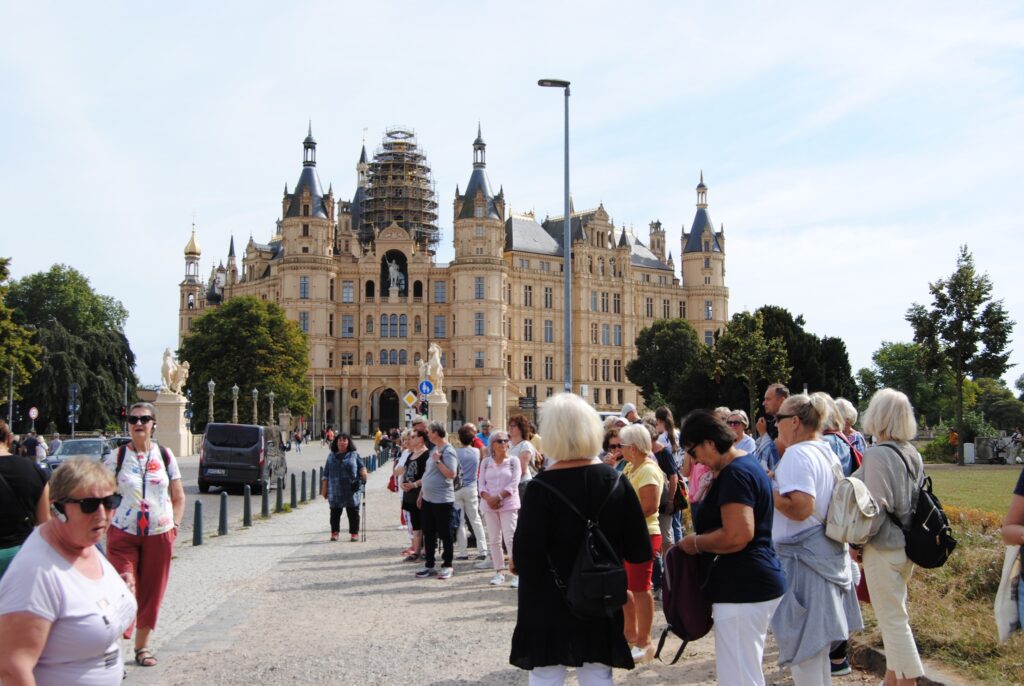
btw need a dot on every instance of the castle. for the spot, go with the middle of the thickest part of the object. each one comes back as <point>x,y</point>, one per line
<point>361,280</point>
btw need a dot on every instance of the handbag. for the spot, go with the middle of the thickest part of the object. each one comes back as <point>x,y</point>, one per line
<point>1005,608</point>
<point>393,484</point>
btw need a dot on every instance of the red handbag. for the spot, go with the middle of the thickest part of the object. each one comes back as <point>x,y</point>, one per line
<point>393,484</point>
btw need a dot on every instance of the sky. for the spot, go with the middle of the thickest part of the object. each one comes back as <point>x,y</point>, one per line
<point>849,150</point>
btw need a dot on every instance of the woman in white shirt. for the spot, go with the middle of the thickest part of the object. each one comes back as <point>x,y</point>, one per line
<point>62,605</point>
<point>520,448</point>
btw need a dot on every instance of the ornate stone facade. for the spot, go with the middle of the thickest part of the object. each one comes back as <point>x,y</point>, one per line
<point>373,299</point>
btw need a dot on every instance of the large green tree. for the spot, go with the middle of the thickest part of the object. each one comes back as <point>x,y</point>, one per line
<point>964,330</point>
<point>251,343</point>
<point>19,355</point>
<point>899,366</point>
<point>671,364</point>
<point>997,404</point>
<point>81,334</point>
<point>744,353</point>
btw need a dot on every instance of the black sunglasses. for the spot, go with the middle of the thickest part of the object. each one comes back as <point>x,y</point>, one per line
<point>144,418</point>
<point>734,422</point>
<point>783,416</point>
<point>613,446</point>
<point>90,505</point>
<point>500,440</point>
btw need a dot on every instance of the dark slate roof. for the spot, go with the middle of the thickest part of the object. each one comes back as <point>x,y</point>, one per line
<point>273,247</point>
<point>527,235</point>
<point>556,228</point>
<point>478,182</point>
<point>694,243</point>
<point>362,155</point>
<point>357,208</point>
<point>311,181</point>
<point>641,256</point>
<point>231,250</point>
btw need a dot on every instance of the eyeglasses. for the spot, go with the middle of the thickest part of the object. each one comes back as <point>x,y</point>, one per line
<point>90,505</point>
<point>692,450</point>
<point>614,446</point>
<point>499,440</point>
<point>734,422</point>
<point>141,418</point>
<point>783,416</point>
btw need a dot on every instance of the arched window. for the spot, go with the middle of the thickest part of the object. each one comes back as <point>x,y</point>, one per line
<point>403,357</point>
<point>394,326</point>
<point>394,357</point>
<point>383,356</point>
<point>416,325</point>
<point>369,325</point>
<point>369,290</point>
<point>417,289</point>
<point>383,326</point>
<point>403,326</point>
<point>369,359</point>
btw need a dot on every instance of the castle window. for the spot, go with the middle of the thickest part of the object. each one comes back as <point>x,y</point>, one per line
<point>478,211</point>
<point>478,287</point>
<point>620,396</point>
<point>383,326</point>
<point>508,366</point>
<point>707,245</point>
<point>440,291</point>
<point>440,323</point>
<point>650,307</point>
<point>369,325</point>
<point>617,370</point>
<point>593,333</point>
<point>403,326</point>
<point>305,249</point>
<point>348,292</point>
<point>479,232</point>
<point>665,309</point>
<point>393,356</point>
<point>618,334</point>
<point>605,371</point>
<point>524,264</point>
<point>682,310</point>
<point>545,266</point>
<point>549,368</point>
<point>707,263</point>
<point>709,310</point>
<point>550,392</point>
<point>478,323</point>
<point>608,396</point>
<point>394,326</point>
<point>330,289</point>
<point>479,251</point>
<point>709,338</point>
<point>383,356</point>
<point>593,301</point>
<point>305,230</point>
<point>330,325</point>
<point>528,296</point>
<point>330,359</point>
<point>304,288</point>
<point>348,326</point>
<point>527,329</point>
<point>548,297</point>
<point>369,290</point>
<point>347,359</point>
<point>605,334</point>
<point>604,301</point>
<point>707,280</point>
<point>616,303</point>
<point>478,359</point>
<point>527,366</point>
<point>369,359</point>
<point>593,371</point>
<point>597,394</point>
<point>549,331</point>
<point>417,290</point>
<point>304,321</point>
<point>305,212</point>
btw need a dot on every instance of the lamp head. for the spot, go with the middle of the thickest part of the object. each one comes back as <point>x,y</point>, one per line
<point>211,386</point>
<point>553,83</point>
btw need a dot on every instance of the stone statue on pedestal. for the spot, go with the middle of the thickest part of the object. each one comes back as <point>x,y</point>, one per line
<point>173,374</point>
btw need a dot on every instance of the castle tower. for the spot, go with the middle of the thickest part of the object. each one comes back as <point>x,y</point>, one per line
<point>190,289</point>
<point>703,258</point>
<point>232,264</point>
<point>657,244</point>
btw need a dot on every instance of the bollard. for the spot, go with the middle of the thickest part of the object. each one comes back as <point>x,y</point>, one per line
<point>265,498</point>
<point>303,495</point>
<point>247,507</point>
<point>312,480</point>
<point>222,527</point>
<point>279,505</point>
<point>321,476</point>
<point>197,524</point>
<point>294,501</point>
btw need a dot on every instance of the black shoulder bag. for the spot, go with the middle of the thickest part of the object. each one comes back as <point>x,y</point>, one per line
<point>929,538</point>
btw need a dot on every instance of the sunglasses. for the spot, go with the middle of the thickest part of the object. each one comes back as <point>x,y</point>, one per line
<point>143,418</point>
<point>90,505</point>
<point>614,446</point>
<point>734,422</point>
<point>783,416</point>
<point>500,440</point>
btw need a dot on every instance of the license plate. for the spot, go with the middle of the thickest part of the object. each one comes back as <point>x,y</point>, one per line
<point>216,472</point>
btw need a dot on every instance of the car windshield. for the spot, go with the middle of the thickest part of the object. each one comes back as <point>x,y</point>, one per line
<point>84,446</point>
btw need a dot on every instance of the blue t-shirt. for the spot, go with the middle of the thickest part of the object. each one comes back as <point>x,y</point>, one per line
<point>1019,488</point>
<point>753,574</point>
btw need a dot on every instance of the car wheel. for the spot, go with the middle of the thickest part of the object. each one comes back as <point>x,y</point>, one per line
<point>204,486</point>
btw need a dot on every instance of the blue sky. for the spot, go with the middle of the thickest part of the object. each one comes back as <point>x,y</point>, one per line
<point>849,150</point>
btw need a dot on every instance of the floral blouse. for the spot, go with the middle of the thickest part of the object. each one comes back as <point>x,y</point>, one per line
<point>130,486</point>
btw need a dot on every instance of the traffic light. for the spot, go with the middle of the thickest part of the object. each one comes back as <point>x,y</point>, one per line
<point>424,406</point>
<point>123,413</point>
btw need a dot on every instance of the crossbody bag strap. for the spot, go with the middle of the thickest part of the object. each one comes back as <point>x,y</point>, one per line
<point>14,498</point>
<point>572,507</point>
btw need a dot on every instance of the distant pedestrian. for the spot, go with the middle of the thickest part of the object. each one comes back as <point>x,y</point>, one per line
<point>55,443</point>
<point>499,493</point>
<point>297,440</point>
<point>344,475</point>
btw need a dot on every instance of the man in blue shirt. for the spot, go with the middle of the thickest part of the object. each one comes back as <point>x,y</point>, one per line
<point>767,453</point>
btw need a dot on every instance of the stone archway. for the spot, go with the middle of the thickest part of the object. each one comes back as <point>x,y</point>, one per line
<point>390,414</point>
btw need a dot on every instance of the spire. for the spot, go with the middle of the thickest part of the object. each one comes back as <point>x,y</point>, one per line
<point>309,148</point>
<point>362,155</point>
<point>702,192</point>
<point>623,242</point>
<point>231,249</point>
<point>479,150</point>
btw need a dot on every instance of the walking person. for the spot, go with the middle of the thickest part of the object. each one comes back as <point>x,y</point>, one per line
<point>436,501</point>
<point>24,498</point>
<point>499,492</point>
<point>467,498</point>
<point>141,536</point>
<point>344,475</point>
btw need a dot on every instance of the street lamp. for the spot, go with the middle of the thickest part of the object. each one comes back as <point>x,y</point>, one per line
<point>255,398</point>
<point>270,397</point>
<point>566,244</point>
<point>488,405</point>
<point>234,404</point>
<point>210,386</point>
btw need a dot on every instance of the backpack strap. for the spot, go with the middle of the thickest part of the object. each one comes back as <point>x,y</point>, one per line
<point>164,453</point>
<point>910,476</point>
<point>120,459</point>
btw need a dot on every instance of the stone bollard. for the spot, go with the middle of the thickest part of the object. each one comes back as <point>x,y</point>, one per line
<point>247,507</point>
<point>222,526</point>
<point>279,504</point>
<point>294,501</point>
<point>265,499</point>
<point>321,476</point>
<point>197,524</point>
<point>303,493</point>
<point>312,480</point>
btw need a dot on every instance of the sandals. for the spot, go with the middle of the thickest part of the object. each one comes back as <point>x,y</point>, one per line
<point>145,658</point>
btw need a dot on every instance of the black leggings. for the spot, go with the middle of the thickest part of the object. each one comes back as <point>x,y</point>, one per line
<point>437,523</point>
<point>353,519</point>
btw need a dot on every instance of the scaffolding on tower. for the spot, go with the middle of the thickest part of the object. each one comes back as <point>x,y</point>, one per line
<point>400,189</point>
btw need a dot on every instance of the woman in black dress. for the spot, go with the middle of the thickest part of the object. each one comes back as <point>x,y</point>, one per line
<point>547,637</point>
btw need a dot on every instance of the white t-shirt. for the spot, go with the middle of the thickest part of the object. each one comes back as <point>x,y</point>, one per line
<point>87,616</point>
<point>679,453</point>
<point>129,485</point>
<point>806,467</point>
<point>521,448</point>
<point>402,459</point>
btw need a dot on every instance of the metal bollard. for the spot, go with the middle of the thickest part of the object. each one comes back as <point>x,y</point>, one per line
<point>321,476</point>
<point>312,480</point>
<point>247,507</point>
<point>222,526</point>
<point>294,501</point>
<point>265,499</point>
<point>197,524</point>
<point>279,505</point>
<point>303,495</point>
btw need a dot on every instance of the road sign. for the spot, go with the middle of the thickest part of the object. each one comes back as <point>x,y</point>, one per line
<point>33,413</point>
<point>410,399</point>
<point>527,402</point>
<point>426,388</point>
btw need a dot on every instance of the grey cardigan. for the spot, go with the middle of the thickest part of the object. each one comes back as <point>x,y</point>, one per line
<point>885,475</point>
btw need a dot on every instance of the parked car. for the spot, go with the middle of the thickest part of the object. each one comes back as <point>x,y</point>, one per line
<point>93,448</point>
<point>239,454</point>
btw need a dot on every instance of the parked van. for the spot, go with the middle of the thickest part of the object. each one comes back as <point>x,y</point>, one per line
<point>239,454</point>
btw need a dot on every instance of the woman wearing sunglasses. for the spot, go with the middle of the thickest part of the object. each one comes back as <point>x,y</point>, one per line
<point>62,604</point>
<point>145,524</point>
<point>498,484</point>
<point>738,424</point>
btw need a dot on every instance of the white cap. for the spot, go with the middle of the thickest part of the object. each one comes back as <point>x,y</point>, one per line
<point>627,408</point>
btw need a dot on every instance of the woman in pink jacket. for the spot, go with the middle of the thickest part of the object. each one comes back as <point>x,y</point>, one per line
<point>499,497</point>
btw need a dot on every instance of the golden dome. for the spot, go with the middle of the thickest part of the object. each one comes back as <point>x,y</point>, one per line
<point>192,248</point>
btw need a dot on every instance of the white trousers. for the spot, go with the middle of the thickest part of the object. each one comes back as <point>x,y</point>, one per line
<point>589,674</point>
<point>887,573</point>
<point>468,500</point>
<point>814,671</point>
<point>500,525</point>
<point>740,630</point>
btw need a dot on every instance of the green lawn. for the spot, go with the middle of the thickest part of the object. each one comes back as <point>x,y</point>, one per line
<point>986,488</point>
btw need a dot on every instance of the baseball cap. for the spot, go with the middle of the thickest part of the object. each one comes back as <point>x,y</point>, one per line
<point>627,408</point>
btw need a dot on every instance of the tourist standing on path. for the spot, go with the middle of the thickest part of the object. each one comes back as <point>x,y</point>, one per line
<point>890,420</point>
<point>297,439</point>
<point>520,448</point>
<point>734,527</point>
<point>548,637</point>
<point>145,525</point>
<point>62,604</point>
<point>436,501</point>
<point>55,443</point>
<point>499,492</point>
<point>24,498</point>
<point>344,475</point>
<point>410,474</point>
<point>467,499</point>
<point>849,414</point>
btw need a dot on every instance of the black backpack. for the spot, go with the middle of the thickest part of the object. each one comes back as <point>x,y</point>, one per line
<point>929,538</point>
<point>596,586</point>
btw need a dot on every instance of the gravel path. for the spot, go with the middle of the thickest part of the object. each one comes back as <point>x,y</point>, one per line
<point>281,604</point>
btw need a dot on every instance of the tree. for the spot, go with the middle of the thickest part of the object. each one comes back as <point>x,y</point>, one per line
<point>899,366</point>
<point>1019,385</point>
<point>671,363</point>
<point>997,404</point>
<point>744,353</point>
<point>250,343</point>
<point>818,364</point>
<point>65,294</point>
<point>19,355</point>
<point>964,330</point>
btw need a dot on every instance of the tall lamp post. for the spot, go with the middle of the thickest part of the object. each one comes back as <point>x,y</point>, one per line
<point>255,398</point>
<point>270,397</point>
<point>210,386</point>
<point>566,245</point>
<point>234,404</point>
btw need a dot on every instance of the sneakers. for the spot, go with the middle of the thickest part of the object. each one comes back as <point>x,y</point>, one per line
<point>841,668</point>
<point>354,537</point>
<point>641,655</point>
<point>445,573</point>
<point>462,556</point>
<point>483,564</point>
<point>515,581</point>
<point>426,573</point>
<point>498,579</point>
<point>334,535</point>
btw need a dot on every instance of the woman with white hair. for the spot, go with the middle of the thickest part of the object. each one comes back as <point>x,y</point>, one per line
<point>849,414</point>
<point>548,637</point>
<point>890,420</point>
<point>739,423</point>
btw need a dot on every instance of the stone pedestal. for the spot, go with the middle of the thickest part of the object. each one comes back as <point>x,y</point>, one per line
<point>438,408</point>
<point>171,425</point>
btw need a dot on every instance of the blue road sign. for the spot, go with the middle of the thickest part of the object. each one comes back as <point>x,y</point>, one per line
<point>426,388</point>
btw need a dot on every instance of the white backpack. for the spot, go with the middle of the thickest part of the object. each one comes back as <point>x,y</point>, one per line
<point>850,511</point>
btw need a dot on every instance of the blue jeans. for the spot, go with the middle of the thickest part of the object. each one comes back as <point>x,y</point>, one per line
<point>677,525</point>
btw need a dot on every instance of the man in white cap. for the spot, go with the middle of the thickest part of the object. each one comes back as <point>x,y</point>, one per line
<point>629,412</point>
